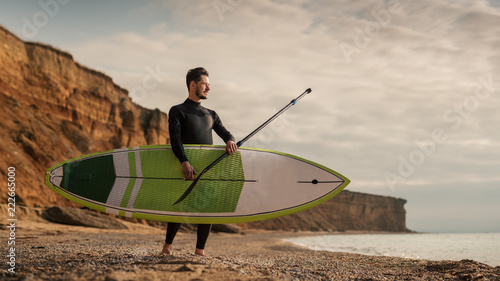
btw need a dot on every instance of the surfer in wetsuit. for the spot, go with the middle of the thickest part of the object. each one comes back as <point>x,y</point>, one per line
<point>191,123</point>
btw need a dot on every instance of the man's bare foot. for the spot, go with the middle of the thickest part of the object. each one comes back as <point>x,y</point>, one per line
<point>167,249</point>
<point>200,252</point>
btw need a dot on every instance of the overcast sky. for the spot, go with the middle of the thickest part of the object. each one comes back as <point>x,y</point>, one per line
<point>405,94</point>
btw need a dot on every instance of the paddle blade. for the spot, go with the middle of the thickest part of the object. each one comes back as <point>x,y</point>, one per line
<point>186,193</point>
<point>190,188</point>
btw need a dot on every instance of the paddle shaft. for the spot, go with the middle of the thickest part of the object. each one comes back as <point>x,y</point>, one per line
<point>190,188</point>
<point>293,102</point>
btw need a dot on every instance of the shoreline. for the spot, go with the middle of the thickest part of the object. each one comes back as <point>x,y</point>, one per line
<point>48,251</point>
<point>480,247</point>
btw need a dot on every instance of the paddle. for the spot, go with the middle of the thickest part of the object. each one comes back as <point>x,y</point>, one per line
<point>191,187</point>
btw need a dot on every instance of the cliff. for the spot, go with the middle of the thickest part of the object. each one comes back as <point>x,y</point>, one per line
<point>55,109</point>
<point>346,211</point>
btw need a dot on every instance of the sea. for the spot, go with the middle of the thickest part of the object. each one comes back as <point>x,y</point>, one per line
<point>481,247</point>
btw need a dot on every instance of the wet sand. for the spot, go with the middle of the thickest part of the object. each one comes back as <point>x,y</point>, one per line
<point>50,251</point>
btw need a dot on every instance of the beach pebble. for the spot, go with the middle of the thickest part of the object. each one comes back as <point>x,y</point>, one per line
<point>84,253</point>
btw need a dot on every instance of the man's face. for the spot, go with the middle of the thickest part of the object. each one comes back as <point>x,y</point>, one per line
<point>203,87</point>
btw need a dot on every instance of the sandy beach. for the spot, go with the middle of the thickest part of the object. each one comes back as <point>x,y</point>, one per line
<point>51,251</point>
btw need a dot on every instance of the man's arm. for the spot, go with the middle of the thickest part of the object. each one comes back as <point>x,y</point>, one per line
<point>224,134</point>
<point>174,128</point>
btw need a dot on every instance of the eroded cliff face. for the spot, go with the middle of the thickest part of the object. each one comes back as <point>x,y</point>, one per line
<point>54,108</point>
<point>346,211</point>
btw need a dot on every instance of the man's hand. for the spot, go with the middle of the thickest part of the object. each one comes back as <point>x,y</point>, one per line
<point>188,171</point>
<point>231,147</point>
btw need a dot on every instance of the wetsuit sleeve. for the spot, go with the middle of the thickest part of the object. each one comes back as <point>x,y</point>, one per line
<point>174,128</point>
<point>221,131</point>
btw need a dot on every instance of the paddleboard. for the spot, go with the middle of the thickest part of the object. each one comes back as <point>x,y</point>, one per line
<point>145,182</point>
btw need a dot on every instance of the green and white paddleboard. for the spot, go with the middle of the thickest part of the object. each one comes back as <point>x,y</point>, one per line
<point>145,182</point>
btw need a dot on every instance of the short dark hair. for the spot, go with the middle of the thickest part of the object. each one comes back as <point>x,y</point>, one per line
<point>195,75</point>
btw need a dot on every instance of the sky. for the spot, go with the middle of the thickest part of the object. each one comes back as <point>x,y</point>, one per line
<point>405,94</point>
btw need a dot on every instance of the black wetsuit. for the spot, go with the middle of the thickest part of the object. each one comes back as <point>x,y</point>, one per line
<point>191,123</point>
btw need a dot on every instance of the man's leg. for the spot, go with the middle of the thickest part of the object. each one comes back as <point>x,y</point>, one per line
<point>202,236</point>
<point>172,229</point>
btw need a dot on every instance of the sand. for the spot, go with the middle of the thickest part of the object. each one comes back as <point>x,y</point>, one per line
<point>50,251</point>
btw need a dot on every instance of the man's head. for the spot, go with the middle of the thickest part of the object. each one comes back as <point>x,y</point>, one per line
<point>198,83</point>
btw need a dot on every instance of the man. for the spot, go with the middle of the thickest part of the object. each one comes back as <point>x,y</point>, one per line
<point>191,123</point>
